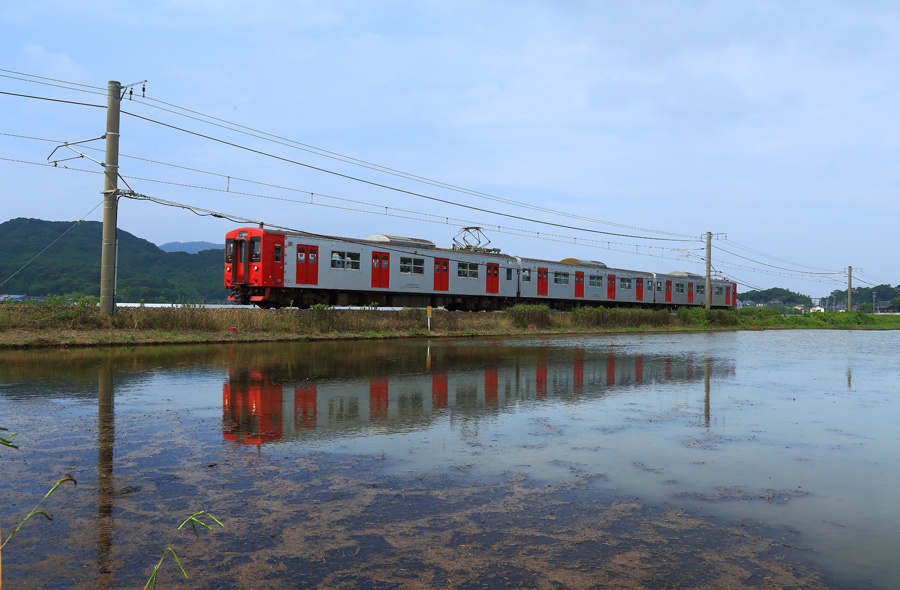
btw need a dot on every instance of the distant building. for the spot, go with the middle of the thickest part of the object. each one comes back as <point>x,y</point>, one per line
<point>884,307</point>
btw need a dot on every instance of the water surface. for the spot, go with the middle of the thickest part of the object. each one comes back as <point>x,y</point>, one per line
<point>731,459</point>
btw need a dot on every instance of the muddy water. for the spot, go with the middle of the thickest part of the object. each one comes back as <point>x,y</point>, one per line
<point>745,460</point>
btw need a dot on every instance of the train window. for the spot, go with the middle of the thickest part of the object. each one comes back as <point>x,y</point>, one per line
<point>561,278</point>
<point>414,266</point>
<point>659,285</point>
<point>679,287</point>
<point>719,290</point>
<point>277,252</point>
<point>526,275</point>
<point>229,251</point>
<point>508,274</point>
<point>624,283</point>
<point>255,249</point>
<point>345,260</point>
<point>467,270</point>
<point>595,280</point>
<point>701,289</point>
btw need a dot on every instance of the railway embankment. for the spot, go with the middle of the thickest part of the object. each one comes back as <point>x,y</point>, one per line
<point>82,324</point>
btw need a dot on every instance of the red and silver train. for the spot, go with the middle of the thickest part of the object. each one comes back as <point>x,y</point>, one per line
<point>279,269</point>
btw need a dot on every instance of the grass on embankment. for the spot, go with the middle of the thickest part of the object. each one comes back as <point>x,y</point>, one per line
<point>82,324</point>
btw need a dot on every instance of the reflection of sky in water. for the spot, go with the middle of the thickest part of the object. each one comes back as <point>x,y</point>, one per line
<point>792,429</point>
<point>799,431</point>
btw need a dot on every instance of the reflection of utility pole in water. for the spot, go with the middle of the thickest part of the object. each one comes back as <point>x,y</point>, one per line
<point>849,377</point>
<point>105,485</point>
<point>706,373</point>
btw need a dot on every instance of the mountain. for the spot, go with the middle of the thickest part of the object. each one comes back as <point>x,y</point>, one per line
<point>70,266</point>
<point>189,247</point>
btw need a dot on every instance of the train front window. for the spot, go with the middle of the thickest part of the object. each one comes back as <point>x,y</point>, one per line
<point>277,252</point>
<point>255,249</point>
<point>229,251</point>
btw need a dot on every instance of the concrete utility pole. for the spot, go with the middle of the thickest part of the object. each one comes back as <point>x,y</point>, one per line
<point>849,286</point>
<point>110,201</point>
<point>707,295</point>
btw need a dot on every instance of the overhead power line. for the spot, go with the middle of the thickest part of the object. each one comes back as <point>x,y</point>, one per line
<point>84,104</point>
<point>382,210</point>
<point>396,189</point>
<point>231,126</point>
<point>778,267</point>
<point>100,89</point>
<point>203,212</point>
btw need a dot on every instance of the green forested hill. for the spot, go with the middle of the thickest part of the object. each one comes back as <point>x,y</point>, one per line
<point>71,266</point>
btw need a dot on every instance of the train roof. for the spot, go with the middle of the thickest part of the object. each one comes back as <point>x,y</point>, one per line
<point>401,241</point>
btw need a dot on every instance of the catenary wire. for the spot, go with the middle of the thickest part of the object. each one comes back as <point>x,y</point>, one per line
<point>773,266</point>
<point>377,167</point>
<point>437,219</point>
<point>506,231</point>
<point>399,190</point>
<point>48,84</point>
<point>51,80</point>
<point>84,104</point>
<point>238,219</point>
<point>759,253</point>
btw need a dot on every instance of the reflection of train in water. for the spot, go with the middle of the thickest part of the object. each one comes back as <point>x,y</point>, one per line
<point>277,269</point>
<point>262,407</point>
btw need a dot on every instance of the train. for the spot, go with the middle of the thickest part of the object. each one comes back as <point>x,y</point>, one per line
<point>272,269</point>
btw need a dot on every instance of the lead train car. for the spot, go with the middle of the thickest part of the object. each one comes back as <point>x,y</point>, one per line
<point>279,269</point>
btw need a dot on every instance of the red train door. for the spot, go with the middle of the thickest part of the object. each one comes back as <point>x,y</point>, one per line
<point>305,407</point>
<point>307,265</point>
<point>542,282</point>
<point>490,386</point>
<point>668,291</point>
<point>639,289</point>
<point>610,286</point>
<point>727,295</point>
<point>579,284</point>
<point>492,285</point>
<point>380,270</point>
<point>734,292</point>
<point>378,398</point>
<point>439,390</point>
<point>441,274</point>
<point>690,292</point>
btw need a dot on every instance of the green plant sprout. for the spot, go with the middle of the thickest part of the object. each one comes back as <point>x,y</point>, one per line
<point>194,519</point>
<point>36,510</point>
<point>4,440</point>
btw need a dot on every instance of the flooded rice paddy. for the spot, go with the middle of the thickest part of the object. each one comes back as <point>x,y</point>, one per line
<point>729,460</point>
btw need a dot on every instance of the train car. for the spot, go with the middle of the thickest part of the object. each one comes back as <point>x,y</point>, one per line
<point>279,269</point>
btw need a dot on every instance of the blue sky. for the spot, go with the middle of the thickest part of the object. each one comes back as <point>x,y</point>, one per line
<point>774,123</point>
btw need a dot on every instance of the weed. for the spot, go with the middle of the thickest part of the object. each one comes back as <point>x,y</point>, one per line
<point>4,440</point>
<point>36,510</point>
<point>194,520</point>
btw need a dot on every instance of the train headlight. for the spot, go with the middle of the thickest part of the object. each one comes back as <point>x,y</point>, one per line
<point>255,267</point>
<point>227,269</point>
